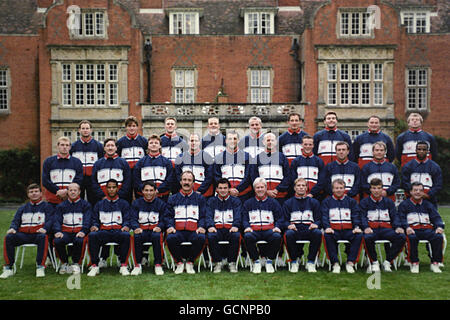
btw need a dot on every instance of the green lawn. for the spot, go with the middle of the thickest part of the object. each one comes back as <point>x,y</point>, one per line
<point>281,285</point>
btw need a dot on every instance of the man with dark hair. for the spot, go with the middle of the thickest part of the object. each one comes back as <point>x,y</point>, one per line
<point>30,224</point>
<point>110,223</point>
<point>132,146</point>
<point>223,221</point>
<point>423,170</point>
<point>290,142</point>
<point>380,221</point>
<point>422,221</point>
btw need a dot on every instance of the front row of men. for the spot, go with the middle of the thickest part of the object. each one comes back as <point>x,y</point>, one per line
<point>189,217</point>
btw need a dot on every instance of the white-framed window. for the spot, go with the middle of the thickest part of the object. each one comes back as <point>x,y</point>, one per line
<point>113,134</point>
<point>100,135</point>
<point>353,133</point>
<point>355,23</point>
<point>355,84</point>
<point>184,22</point>
<point>260,85</point>
<point>184,85</point>
<point>416,21</point>
<point>91,24</point>
<point>68,134</point>
<point>259,23</point>
<point>417,88</point>
<point>89,84</point>
<point>5,90</point>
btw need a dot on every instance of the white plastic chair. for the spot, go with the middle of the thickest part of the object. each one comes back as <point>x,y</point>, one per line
<point>111,245</point>
<point>31,245</point>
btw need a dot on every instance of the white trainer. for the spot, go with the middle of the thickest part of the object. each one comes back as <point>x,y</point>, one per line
<point>415,267</point>
<point>190,268</point>
<point>435,267</point>
<point>180,268</point>
<point>159,270</point>
<point>218,267</point>
<point>336,268</point>
<point>94,271</point>
<point>311,267</point>
<point>375,266</point>
<point>63,269</point>
<point>349,266</point>
<point>269,267</point>
<point>76,268</point>
<point>137,270</point>
<point>232,267</point>
<point>124,271</point>
<point>7,272</point>
<point>256,267</point>
<point>40,272</point>
<point>294,267</point>
<point>387,266</point>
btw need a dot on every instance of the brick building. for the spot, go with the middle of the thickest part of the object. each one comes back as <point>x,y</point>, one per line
<point>66,60</point>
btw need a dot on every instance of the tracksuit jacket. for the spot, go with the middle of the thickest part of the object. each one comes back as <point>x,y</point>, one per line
<point>274,167</point>
<point>427,172</point>
<point>309,168</point>
<point>88,152</point>
<point>405,148</point>
<point>252,145</point>
<point>172,146</point>
<point>58,173</point>
<point>325,142</point>
<point>383,170</point>
<point>213,145</point>
<point>157,168</point>
<point>201,164</point>
<point>115,168</point>
<point>290,143</point>
<point>132,148</point>
<point>347,171</point>
<point>362,147</point>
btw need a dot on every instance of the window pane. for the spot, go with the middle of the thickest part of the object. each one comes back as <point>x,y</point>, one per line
<point>179,95</point>
<point>89,24</point>
<point>265,23</point>
<point>179,78</point>
<point>344,93</point>
<point>355,23</point>
<point>67,94</point>
<point>422,98</point>
<point>265,95</point>
<point>355,93</point>
<point>255,82</point>
<point>332,71</point>
<point>3,98</point>
<point>422,77</point>
<point>79,72</point>
<point>408,21</point>
<point>344,71</point>
<point>255,95</point>
<point>189,23</point>
<point>100,72</point>
<point>253,23</point>
<point>365,96</point>
<point>99,24</point>
<point>189,96</point>
<point>365,71</point>
<point>378,93</point>
<point>411,98</point>
<point>332,93</point>
<point>378,71</point>
<point>79,93</point>
<point>101,94</point>
<point>265,78</point>
<point>365,16</point>
<point>113,72</point>
<point>90,94</point>
<point>90,72</point>
<point>113,94</point>
<point>66,72</point>
<point>189,78</point>
<point>355,71</point>
<point>421,20</point>
<point>344,23</point>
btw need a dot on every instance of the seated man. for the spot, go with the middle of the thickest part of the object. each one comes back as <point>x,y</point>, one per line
<point>148,225</point>
<point>30,224</point>
<point>262,220</point>
<point>380,221</point>
<point>110,223</point>
<point>341,221</point>
<point>302,214</point>
<point>72,221</point>
<point>422,222</point>
<point>185,222</point>
<point>223,220</point>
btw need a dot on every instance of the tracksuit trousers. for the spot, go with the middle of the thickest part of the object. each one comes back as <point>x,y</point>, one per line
<point>269,250</point>
<point>77,251</point>
<point>190,253</point>
<point>331,244</point>
<point>156,238</point>
<point>14,240</point>
<point>436,240</point>
<point>295,250</point>
<point>101,237</point>
<point>218,251</point>
<point>397,243</point>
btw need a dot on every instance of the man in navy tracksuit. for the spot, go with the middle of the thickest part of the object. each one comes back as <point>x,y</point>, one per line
<point>155,167</point>
<point>303,221</point>
<point>308,166</point>
<point>362,145</point>
<point>422,222</point>
<point>72,221</point>
<point>172,145</point>
<point>290,142</point>
<point>213,142</point>
<point>88,150</point>
<point>262,220</point>
<point>147,221</point>
<point>111,166</point>
<point>223,221</point>
<point>342,168</point>
<point>59,171</point>
<point>423,170</point>
<point>325,140</point>
<point>405,148</point>
<point>235,165</point>
<point>253,142</point>
<point>341,220</point>
<point>186,222</point>
<point>30,224</point>
<point>200,163</point>
<point>274,167</point>
<point>110,223</point>
<point>380,221</point>
<point>382,169</point>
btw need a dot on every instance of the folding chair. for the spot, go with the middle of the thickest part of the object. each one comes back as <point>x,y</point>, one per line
<point>111,245</point>
<point>150,244</point>
<point>30,245</point>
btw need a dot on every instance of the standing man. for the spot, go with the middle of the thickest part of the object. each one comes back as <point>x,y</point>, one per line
<point>110,223</point>
<point>422,221</point>
<point>325,140</point>
<point>406,141</point>
<point>111,166</point>
<point>342,168</point>
<point>381,169</point>
<point>186,222</point>
<point>362,146</point>
<point>172,145</point>
<point>200,163</point>
<point>88,150</point>
<point>341,220</point>
<point>290,142</point>
<point>223,221</point>
<point>59,171</point>
<point>147,221</point>
<point>262,220</point>
<point>308,166</point>
<point>30,224</point>
<point>274,167</point>
<point>423,170</point>
<point>234,164</point>
<point>380,221</point>
<point>302,216</point>
<point>132,146</point>
<point>213,142</point>
<point>253,142</point>
<point>154,167</point>
<point>72,221</point>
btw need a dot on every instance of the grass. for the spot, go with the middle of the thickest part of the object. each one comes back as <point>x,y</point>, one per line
<point>282,285</point>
